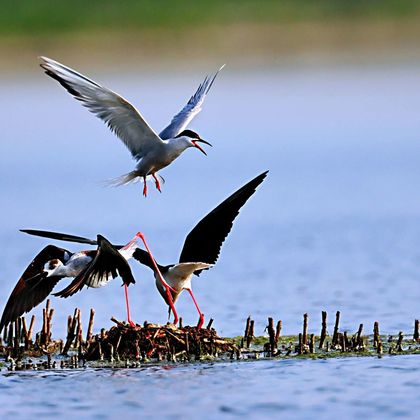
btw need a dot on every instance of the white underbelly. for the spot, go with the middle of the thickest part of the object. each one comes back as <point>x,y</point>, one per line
<point>178,283</point>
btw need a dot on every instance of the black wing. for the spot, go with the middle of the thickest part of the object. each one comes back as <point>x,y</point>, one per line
<point>33,286</point>
<point>108,262</point>
<point>59,236</point>
<point>63,237</point>
<point>203,243</point>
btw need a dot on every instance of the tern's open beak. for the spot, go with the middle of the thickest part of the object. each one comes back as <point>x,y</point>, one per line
<point>194,142</point>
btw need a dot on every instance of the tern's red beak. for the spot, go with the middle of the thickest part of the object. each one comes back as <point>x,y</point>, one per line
<point>195,143</point>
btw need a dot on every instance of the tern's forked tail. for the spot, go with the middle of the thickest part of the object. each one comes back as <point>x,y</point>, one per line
<point>125,179</point>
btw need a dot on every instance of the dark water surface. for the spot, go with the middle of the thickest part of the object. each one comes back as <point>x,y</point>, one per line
<point>336,226</point>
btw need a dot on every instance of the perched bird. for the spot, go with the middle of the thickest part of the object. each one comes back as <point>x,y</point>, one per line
<point>93,268</point>
<point>152,151</point>
<point>84,278</point>
<point>200,251</point>
<point>201,247</point>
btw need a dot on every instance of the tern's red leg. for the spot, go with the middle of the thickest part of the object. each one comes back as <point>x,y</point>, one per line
<point>166,285</point>
<point>132,324</point>
<point>157,183</point>
<point>200,324</point>
<point>144,187</point>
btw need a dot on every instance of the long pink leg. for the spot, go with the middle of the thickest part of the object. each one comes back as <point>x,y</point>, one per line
<point>200,324</point>
<point>126,287</point>
<point>166,285</point>
<point>132,324</point>
<point>144,187</point>
<point>157,183</point>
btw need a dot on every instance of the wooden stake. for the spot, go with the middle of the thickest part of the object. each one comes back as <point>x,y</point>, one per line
<point>346,340</point>
<point>90,326</point>
<point>210,324</point>
<point>31,329</point>
<point>336,325</point>
<point>305,330</point>
<point>49,325</point>
<point>69,323</point>
<point>416,335</point>
<point>359,339</point>
<point>272,335</point>
<point>71,332</point>
<point>43,338</point>
<point>312,344</point>
<point>323,335</point>
<point>400,341</point>
<point>376,336</point>
<point>246,333</point>
<point>343,342</point>
<point>278,331</point>
<point>79,336</point>
<point>250,333</point>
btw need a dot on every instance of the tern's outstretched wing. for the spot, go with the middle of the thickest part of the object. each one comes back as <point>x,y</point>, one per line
<point>59,236</point>
<point>33,286</point>
<point>181,120</point>
<point>120,116</point>
<point>203,243</point>
<point>107,264</point>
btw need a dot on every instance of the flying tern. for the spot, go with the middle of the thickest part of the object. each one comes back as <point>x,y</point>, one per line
<point>152,151</point>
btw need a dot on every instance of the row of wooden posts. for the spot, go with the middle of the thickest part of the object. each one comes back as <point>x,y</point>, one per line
<point>18,333</point>
<point>339,340</point>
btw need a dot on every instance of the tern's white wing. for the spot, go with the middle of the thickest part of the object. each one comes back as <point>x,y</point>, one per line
<point>120,116</point>
<point>193,107</point>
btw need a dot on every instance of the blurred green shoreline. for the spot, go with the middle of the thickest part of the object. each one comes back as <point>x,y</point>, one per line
<point>53,17</point>
<point>188,33</point>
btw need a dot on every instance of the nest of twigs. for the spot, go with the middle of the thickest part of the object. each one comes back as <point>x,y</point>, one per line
<point>157,342</point>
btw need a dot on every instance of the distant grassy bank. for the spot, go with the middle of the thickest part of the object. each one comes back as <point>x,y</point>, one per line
<point>269,31</point>
<point>37,17</point>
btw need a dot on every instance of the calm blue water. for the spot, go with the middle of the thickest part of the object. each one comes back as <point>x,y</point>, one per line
<point>350,388</point>
<point>336,226</point>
